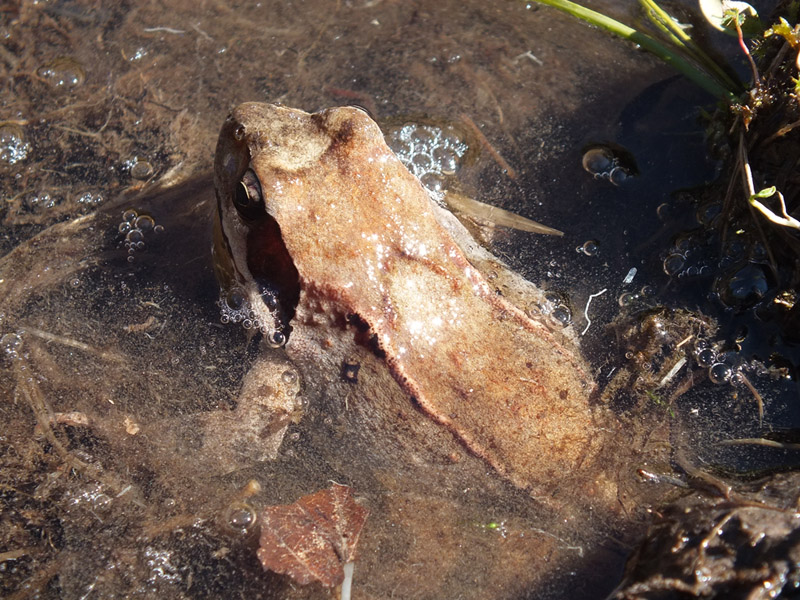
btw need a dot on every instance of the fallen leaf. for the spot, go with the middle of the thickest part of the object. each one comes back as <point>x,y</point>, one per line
<point>313,538</point>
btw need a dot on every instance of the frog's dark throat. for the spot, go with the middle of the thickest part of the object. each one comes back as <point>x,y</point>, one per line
<point>269,264</point>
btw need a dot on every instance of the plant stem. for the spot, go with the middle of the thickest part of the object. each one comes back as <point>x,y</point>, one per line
<point>661,19</point>
<point>690,71</point>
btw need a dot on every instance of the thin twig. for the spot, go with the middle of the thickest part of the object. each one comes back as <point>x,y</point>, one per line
<point>485,143</point>
<point>756,395</point>
<point>743,46</point>
<point>760,442</point>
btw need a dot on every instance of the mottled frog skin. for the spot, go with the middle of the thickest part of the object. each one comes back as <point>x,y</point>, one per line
<point>341,254</point>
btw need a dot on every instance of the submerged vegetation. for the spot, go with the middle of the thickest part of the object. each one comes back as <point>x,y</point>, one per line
<point>756,127</point>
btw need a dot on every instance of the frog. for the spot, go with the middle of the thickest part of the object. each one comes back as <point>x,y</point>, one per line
<point>343,259</point>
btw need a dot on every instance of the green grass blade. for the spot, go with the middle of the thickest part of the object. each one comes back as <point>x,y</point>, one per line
<point>664,21</point>
<point>686,68</point>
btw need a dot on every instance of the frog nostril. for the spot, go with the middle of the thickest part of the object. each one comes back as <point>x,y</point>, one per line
<point>238,133</point>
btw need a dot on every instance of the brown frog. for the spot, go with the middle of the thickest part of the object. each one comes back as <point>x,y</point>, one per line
<point>330,246</point>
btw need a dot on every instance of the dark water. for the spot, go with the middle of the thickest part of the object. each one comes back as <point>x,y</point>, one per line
<point>114,359</point>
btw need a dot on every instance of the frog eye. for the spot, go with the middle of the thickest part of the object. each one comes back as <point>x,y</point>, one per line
<point>247,196</point>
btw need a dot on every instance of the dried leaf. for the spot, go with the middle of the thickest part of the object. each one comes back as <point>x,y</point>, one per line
<point>313,538</point>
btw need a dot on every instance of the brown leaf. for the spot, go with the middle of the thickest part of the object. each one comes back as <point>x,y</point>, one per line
<point>313,538</point>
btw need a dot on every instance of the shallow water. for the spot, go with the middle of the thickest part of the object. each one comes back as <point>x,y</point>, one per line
<point>116,361</point>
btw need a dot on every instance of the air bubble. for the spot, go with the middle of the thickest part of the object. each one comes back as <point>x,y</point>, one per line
<point>141,169</point>
<point>269,300</point>
<point>705,357</point>
<point>562,315</point>
<point>589,247</point>
<point>240,517</point>
<point>720,373</point>
<point>102,501</point>
<point>428,152</point>
<point>37,203</point>
<point>598,161</point>
<point>618,176</point>
<point>432,182</point>
<point>89,198</point>
<point>234,300</point>
<point>423,162</point>
<point>627,299</point>
<point>276,339</point>
<point>144,223</point>
<point>673,264</point>
<point>289,377</point>
<point>129,215</point>
<point>664,211</point>
<point>744,287</point>
<point>707,213</point>
<point>447,161</point>
<point>64,72</point>
<point>134,236</point>
<point>403,148</point>
<point>13,145</point>
<point>11,344</point>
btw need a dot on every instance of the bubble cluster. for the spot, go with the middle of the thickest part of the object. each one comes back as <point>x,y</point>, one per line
<point>431,153</point>
<point>708,213</point>
<point>11,345</point>
<point>636,299</point>
<point>91,497</point>
<point>14,147</point>
<point>162,570</point>
<point>37,203</point>
<point>138,54</point>
<point>610,162</point>
<point>63,73</point>
<point>234,307</point>
<point>742,277</point>
<point>721,366</point>
<point>136,228</point>
<point>89,199</point>
<point>686,258</point>
<point>742,286</point>
<point>557,309</point>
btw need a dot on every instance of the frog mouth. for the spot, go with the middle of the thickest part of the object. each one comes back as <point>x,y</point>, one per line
<point>260,285</point>
<point>273,271</point>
